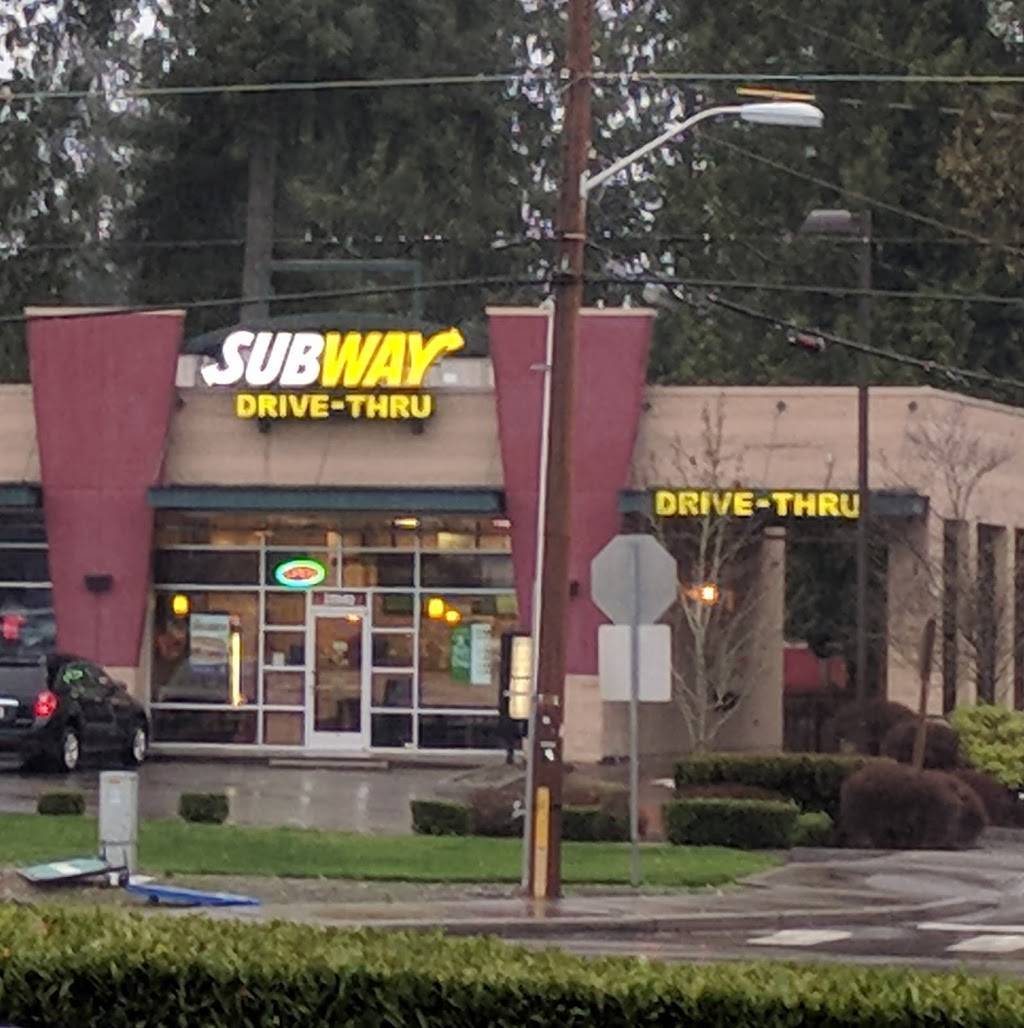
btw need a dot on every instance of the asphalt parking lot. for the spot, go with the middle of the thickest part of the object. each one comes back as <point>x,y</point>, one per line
<point>354,800</point>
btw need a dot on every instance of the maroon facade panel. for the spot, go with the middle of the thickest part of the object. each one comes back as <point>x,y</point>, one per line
<point>103,388</point>
<point>610,380</point>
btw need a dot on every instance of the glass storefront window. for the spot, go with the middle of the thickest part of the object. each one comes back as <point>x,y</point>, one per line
<point>466,571</point>
<point>391,689</point>
<point>458,663</point>
<point>285,608</point>
<point>283,728</point>
<point>298,535</point>
<point>22,526</point>
<point>394,610</point>
<point>209,726</point>
<point>206,530</point>
<point>207,567</point>
<point>283,689</point>
<point>284,649</point>
<point>390,730</point>
<point>275,558</point>
<point>209,656</point>
<point>23,565</point>
<point>393,650</point>
<point>460,732</point>
<point>29,626</point>
<point>364,570</point>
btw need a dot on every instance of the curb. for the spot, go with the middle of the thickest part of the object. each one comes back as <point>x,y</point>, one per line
<point>540,927</point>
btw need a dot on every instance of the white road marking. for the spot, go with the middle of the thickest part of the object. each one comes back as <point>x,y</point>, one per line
<point>800,937</point>
<point>989,929</point>
<point>989,944</point>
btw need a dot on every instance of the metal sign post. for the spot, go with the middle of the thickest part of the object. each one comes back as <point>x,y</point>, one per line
<point>634,580</point>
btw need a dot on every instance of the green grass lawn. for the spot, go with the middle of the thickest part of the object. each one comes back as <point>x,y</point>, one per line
<point>174,846</point>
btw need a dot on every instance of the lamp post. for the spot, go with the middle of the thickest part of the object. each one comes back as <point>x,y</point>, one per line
<point>542,835</point>
<point>843,222</point>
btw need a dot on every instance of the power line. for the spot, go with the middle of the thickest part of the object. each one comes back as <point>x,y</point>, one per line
<point>933,296</point>
<point>884,205</point>
<point>319,294</point>
<point>931,367</point>
<point>505,78</point>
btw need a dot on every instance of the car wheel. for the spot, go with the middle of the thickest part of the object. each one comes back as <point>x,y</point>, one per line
<point>137,745</point>
<point>69,756</point>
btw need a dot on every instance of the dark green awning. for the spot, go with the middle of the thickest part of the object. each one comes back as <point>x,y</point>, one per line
<point>19,494</point>
<point>329,498</point>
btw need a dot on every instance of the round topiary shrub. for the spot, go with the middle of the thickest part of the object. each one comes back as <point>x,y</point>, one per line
<point>1002,805</point>
<point>941,745</point>
<point>872,724</point>
<point>893,806</point>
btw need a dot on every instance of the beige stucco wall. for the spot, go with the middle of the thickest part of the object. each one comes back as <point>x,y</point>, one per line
<point>459,447</point>
<point>806,438</point>
<point>19,455</point>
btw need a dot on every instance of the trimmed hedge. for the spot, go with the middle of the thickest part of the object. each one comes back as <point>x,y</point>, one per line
<point>594,824</point>
<point>61,804</point>
<point>811,780</point>
<point>813,829</point>
<point>437,817</point>
<point>492,816</point>
<point>743,824</point>
<point>94,969</point>
<point>210,808</point>
<point>1002,806</point>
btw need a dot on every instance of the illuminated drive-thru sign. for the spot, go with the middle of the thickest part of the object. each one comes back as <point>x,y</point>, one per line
<point>746,503</point>
<point>316,374</point>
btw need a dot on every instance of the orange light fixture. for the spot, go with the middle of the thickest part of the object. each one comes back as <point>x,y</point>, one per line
<point>452,616</point>
<point>435,608</point>
<point>180,605</point>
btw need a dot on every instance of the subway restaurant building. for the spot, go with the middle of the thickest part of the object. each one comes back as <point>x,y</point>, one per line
<point>310,541</point>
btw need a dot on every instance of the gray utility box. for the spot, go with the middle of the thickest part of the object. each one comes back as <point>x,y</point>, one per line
<point>119,819</point>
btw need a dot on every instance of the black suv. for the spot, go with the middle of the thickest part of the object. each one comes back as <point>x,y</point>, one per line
<point>61,710</point>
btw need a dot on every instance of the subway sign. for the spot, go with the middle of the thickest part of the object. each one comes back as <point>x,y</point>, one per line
<point>746,503</point>
<point>314,375</point>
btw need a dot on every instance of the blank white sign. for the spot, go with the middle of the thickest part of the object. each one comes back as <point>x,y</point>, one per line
<point>655,663</point>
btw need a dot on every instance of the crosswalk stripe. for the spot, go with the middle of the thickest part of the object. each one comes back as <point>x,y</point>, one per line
<point>989,944</point>
<point>988,929</point>
<point>800,937</point>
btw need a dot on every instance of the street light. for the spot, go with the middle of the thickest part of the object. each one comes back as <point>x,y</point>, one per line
<point>787,114</point>
<point>843,222</point>
<point>542,837</point>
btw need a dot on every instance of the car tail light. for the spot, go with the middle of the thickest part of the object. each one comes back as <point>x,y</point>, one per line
<point>46,704</point>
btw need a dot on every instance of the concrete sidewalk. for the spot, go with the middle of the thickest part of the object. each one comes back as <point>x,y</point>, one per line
<point>859,889</point>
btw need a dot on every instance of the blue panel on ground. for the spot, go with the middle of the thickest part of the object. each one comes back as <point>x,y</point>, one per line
<point>181,897</point>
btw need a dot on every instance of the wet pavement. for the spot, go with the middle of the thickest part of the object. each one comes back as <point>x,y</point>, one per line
<point>347,799</point>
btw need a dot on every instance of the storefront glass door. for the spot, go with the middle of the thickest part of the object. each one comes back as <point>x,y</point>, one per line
<point>336,709</point>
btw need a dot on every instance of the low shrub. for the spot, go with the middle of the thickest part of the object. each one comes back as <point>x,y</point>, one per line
<point>941,745</point>
<point>439,817</point>
<point>743,824</point>
<point>893,806</point>
<point>811,780</point>
<point>728,791</point>
<point>1003,806</point>
<point>594,824</point>
<point>61,803</point>
<point>869,726</point>
<point>992,740</point>
<point>496,812</point>
<point>211,808</point>
<point>92,969</point>
<point>813,829</point>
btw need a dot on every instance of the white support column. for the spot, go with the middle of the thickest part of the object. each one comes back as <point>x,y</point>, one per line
<point>1003,596</point>
<point>914,590</point>
<point>967,613</point>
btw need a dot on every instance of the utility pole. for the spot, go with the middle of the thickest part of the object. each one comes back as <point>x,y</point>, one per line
<point>546,834</point>
<point>863,486</point>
